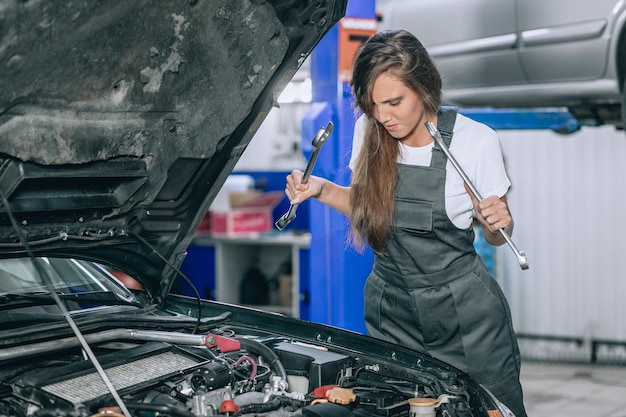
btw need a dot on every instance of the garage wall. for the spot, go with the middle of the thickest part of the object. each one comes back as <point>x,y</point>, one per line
<point>276,146</point>
<point>568,201</point>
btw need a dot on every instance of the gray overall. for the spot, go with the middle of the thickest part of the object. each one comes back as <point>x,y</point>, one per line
<point>432,293</point>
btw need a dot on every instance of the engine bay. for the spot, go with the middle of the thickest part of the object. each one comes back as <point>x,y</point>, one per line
<point>222,372</point>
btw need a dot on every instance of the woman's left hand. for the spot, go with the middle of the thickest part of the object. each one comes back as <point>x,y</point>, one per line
<point>492,212</point>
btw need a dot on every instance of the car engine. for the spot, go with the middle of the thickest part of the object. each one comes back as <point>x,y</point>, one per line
<point>223,372</point>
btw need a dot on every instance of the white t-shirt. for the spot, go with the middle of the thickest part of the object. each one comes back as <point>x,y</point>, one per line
<point>475,147</point>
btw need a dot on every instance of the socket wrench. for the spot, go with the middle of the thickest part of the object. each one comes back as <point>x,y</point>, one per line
<point>319,140</point>
<point>522,259</point>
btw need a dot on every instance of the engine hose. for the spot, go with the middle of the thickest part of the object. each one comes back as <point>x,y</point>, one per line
<point>376,384</point>
<point>260,407</point>
<point>266,353</point>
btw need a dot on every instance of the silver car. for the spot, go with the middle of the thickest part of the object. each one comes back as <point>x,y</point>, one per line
<point>523,53</point>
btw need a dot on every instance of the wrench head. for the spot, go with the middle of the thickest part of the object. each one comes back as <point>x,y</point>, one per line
<point>284,221</point>
<point>322,135</point>
<point>522,259</point>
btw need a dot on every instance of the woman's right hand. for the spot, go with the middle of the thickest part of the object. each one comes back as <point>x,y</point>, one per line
<point>297,191</point>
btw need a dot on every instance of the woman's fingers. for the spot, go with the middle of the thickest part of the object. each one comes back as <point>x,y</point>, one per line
<point>297,191</point>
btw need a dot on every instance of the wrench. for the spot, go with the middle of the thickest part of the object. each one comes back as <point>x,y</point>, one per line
<point>522,259</point>
<point>319,139</point>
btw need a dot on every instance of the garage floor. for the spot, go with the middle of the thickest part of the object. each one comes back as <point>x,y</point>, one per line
<point>554,390</point>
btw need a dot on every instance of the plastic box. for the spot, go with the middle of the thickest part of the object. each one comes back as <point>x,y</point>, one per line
<point>250,213</point>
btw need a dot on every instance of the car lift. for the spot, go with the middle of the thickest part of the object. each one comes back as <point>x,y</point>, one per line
<point>559,120</point>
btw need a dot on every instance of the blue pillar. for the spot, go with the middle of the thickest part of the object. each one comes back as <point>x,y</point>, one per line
<point>337,272</point>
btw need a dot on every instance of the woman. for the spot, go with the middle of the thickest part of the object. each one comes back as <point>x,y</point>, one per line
<point>428,290</point>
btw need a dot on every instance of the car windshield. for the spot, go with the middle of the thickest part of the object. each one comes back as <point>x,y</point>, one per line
<point>81,284</point>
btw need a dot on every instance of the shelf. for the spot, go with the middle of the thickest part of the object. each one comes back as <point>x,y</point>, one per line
<point>302,240</point>
<point>234,255</point>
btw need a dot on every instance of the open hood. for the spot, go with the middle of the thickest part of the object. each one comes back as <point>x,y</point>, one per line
<point>121,120</point>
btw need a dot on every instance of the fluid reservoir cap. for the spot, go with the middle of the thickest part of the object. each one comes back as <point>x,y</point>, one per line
<point>229,406</point>
<point>423,402</point>
<point>341,396</point>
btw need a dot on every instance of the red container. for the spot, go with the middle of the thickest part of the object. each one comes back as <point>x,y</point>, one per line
<point>251,213</point>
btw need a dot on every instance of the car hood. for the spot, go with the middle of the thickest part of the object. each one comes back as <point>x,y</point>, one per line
<point>120,121</point>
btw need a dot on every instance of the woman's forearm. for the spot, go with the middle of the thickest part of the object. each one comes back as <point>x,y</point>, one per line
<point>335,196</point>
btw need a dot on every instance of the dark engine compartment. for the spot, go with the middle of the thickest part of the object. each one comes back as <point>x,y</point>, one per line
<point>223,372</point>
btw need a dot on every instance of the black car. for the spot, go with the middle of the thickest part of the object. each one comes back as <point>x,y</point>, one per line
<point>119,123</point>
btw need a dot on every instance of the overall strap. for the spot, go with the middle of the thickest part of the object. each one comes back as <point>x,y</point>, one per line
<point>446,118</point>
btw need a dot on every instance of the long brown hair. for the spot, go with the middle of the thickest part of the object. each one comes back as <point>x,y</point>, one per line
<point>374,177</point>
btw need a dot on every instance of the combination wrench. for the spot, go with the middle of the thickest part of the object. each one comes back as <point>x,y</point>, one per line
<point>522,259</point>
<point>319,140</point>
